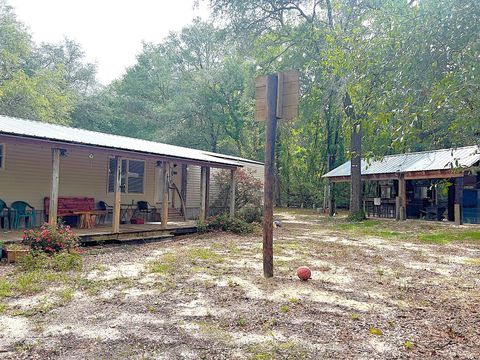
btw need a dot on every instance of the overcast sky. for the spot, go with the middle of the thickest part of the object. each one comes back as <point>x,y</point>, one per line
<point>110,31</point>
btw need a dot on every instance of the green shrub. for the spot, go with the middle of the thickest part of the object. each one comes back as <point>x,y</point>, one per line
<point>62,261</point>
<point>51,239</point>
<point>251,214</point>
<point>225,223</point>
<point>357,217</point>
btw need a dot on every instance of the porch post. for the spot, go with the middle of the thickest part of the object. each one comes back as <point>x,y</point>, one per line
<point>164,179</point>
<point>402,194</point>
<point>458,207</point>
<point>183,190</point>
<point>232,193</point>
<point>117,193</point>
<point>203,191</point>
<point>53,202</point>
<point>207,191</point>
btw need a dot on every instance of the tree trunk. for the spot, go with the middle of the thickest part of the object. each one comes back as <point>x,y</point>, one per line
<point>356,159</point>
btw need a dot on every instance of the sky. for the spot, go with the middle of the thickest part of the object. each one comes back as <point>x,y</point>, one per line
<point>110,31</point>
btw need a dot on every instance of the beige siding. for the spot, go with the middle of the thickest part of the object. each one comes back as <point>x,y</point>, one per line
<point>193,187</point>
<point>83,172</point>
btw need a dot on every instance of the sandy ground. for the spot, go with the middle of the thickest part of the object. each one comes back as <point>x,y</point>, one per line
<point>204,297</point>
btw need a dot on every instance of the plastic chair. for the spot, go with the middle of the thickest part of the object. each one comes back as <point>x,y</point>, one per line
<point>102,205</point>
<point>22,210</point>
<point>145,209</point>
<point>5,214</point>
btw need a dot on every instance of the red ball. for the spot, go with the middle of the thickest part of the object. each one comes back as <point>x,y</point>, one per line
<point>304,273</point>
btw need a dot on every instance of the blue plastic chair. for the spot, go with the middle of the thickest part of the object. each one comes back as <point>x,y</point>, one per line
<point>22,210</point>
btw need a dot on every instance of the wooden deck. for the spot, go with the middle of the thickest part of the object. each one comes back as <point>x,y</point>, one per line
<point>128,232</point>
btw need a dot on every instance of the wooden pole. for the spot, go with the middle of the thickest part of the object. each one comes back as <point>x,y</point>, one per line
<point>458,207</point>
<point>53,202</point>
<point>203,191</point>
<point>232,193</point>
<point>207,192</point>
<point>164,179</point>
<point>183,190</point>
<point>402,194</point>
<point>117,194</point>
<point>270,130</point>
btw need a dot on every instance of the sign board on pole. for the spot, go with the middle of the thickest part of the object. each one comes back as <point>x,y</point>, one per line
<point>287,96</point>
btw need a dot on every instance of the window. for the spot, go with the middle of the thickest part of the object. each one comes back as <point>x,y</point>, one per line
<point>132,182</point>
<point>2,156</point>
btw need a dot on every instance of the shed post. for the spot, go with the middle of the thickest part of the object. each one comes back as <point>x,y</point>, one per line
<point>117,194</point>
<point>330,204</point>
<point>458,207</point>
<point>53,202</point>
<point>232,193</point>
<point>203,191</point>
<point>164,180</point>
<point>402,194</point>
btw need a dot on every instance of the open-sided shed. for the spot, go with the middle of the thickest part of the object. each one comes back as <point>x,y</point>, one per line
<point>408,185</point>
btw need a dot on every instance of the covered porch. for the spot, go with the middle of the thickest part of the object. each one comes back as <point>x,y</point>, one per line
<point>109,188</point>
<point>437,185</point>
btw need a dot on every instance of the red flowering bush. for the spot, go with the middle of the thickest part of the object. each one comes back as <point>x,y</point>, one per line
<point>51,239</point>
<point>248,189</point>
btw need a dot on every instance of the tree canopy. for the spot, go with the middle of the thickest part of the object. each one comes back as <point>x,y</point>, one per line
<point>406,71</point>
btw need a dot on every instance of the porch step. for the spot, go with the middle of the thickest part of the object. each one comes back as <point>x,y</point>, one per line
<point>174,215</point>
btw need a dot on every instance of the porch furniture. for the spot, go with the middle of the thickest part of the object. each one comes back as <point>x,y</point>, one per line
<point>378,207</point>
<point>88,219</point>
<point>22,210</point>
<point>5,215</point>
<point>107,209</point>
<point>435,213</point>
<point>126,212</point>
<point>83,208</point>
<point>145,209</point>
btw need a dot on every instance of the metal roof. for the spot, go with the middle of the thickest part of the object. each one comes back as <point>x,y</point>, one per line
<point>462,157</point>
<point>65,134</point>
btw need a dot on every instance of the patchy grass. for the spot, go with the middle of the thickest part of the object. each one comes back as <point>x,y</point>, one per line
<point>3,308</point>
<point>29,283</point>
<point>5,288</point>
<point>431,232</point>
<point>204,297</point>
<point>205,255</point>
<point>448,236</point>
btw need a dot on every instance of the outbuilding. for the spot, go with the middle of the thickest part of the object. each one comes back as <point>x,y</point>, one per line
<point>432,185</point>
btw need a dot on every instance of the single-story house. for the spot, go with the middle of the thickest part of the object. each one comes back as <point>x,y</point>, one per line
<point>428,184</point>
<point>47,165</point>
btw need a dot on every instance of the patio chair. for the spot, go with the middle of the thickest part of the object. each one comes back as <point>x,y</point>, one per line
<point>5,215</point>
<point>22,210</point>
<point>145,209</point>
<point>102,205</point>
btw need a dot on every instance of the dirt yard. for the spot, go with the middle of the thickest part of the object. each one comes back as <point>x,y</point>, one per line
<point>379,291</point>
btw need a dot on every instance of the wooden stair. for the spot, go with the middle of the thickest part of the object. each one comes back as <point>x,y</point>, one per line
<point>175,215</point>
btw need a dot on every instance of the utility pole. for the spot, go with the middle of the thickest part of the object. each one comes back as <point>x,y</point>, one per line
<point>276,98</point>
